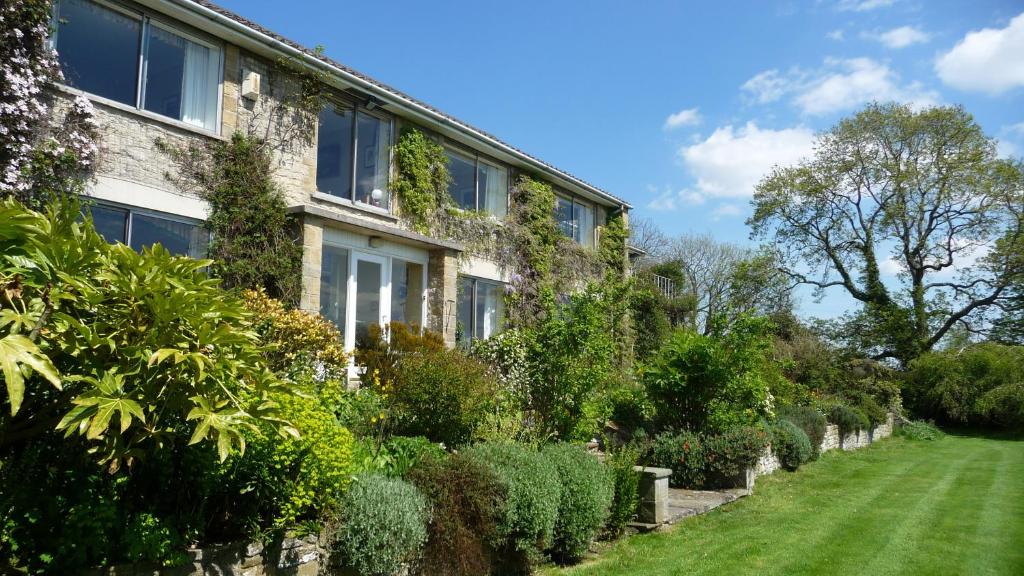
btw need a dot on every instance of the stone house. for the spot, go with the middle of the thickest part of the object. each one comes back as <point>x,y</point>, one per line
<point>188,71</point>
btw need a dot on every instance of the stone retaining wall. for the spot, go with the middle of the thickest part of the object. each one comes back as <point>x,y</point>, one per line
<point>769,463</point>
<point>287,557</point>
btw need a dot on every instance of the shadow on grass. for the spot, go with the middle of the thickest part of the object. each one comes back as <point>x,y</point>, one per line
<point>985,433</point>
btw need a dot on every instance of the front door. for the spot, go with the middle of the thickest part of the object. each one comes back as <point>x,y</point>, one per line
<point>369,294</point>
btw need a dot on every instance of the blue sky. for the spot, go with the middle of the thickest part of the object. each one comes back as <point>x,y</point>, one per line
<point>678,107</point>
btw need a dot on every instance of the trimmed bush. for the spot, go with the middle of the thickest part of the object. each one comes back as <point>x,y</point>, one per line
<point>526,521</point>
<point>382,525</point>
<point>848,419</point>
<point>626,497</point>
<point>790,444</point>
<point>466,496</point>
<point>587,490</point>
<point>296,337</point>
<point>809,420</point>
<point>920,430</point>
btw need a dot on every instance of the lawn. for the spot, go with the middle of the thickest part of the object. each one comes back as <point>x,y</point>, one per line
<point>952,506</point>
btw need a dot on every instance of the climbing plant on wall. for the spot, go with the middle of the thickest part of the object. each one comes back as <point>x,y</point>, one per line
<point>254,241</point>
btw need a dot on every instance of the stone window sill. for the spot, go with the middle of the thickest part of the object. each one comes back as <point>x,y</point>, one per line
<point>355,206</point>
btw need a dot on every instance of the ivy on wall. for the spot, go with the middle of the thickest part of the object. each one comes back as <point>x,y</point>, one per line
<point>421,179</point>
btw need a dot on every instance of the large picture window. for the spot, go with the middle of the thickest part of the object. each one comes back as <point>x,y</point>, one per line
<point>141,229</point>
<point>130,58</point>
<point>575,220</point>
<point>480,309</point>
<point>353,156</point>
<point>477,184</point>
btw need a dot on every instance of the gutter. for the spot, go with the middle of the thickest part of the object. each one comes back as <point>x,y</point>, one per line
<point>422,111</point>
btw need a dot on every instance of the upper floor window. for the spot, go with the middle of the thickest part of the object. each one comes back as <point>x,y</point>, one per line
<point>575,219</point>
<point>353,155</point>
<point>140,229</point>
<point>130,58</point>
<point>477,184</point>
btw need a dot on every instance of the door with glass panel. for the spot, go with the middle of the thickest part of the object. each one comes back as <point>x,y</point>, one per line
<point>369,296</point>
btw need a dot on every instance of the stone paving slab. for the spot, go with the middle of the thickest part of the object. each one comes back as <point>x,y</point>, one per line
<point>685,503</point>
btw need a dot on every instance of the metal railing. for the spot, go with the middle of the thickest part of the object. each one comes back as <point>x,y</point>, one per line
<point>666,286</point>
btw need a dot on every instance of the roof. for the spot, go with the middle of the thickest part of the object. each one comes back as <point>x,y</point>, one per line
<point>402,97</point>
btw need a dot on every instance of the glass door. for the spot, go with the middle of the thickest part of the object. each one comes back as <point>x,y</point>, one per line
<point>369,297</point>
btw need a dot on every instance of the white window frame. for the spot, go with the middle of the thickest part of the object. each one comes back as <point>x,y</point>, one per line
<point>575,201</point>
<point>470,336</point>
<point>147,20</point>
<point>131,211</point>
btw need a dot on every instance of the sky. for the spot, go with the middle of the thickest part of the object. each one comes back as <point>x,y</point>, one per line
<point>678,107</point>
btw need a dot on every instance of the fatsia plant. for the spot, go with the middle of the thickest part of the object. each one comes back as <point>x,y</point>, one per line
<point>133,351</point>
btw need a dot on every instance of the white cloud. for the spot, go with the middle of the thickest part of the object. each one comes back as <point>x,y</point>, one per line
<point>837,86</point>
<point>1006,146</point>
<point>731,161</point>
<point>726,211</point>
<point>669,201</point>
<point>770,85</point>
<point>989,60</point>
<point>836,35</point>
<point>862,5</point>
<point>900,37</point>
<point>688,117</point>
<point>1017,129</point>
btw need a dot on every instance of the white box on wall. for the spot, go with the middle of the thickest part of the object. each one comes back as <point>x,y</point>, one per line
<point>251,84</point>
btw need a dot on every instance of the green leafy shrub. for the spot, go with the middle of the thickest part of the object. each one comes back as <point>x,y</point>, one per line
<point>980,385</point>
<point>421,178</point>
<point>683,453</point>
<point>870,407</point>
<point>397,455</point>
<point>444,396</point>
<point>809,420</point>
<point>709,460</point>
<point>626,497</point>
<point>467,497</point>
<point>284,479</point>
<point>920,430</point>
<point>296,337</point>
<point>382,525</point>
<point>587,491</point>
<point>147,539</point>
<point>848,419</point>
<point>790,444</point>
<point>731,453</point>
<point>713,383</point>
<point>142,363</point>
<point>533,491</point>
<point>382,353</point>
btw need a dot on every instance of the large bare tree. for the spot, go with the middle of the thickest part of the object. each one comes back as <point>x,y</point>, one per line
<point>921,191</point>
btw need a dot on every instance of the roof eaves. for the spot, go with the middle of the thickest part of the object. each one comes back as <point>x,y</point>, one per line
<point>309,54</point>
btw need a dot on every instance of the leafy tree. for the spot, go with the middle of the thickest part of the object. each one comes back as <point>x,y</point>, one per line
<point>923,189</point>
<point>726,280</point>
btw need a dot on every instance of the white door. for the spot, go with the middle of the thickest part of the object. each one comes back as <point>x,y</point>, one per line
<point>369,296</point>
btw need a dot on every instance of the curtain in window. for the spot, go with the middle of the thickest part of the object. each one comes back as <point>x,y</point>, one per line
<point>488,311</point>
<point>199,85</point>
<point>585,221</point>
<point>494,188</point>
<point>380,179</point>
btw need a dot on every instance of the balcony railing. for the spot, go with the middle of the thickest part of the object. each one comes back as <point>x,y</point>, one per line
<point>666,286</point>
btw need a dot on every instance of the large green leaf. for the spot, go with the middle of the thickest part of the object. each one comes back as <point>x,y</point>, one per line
<point>17,352</point>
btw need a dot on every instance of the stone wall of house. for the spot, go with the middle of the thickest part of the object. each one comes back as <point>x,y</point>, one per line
<point>287,557</point>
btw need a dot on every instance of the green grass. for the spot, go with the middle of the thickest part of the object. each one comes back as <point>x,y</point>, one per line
<point>950,506</point>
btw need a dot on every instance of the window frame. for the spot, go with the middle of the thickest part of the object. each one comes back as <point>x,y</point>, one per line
<point>574,201</point>
<point>477,158</point>
<point>131,211</point>
<point>476,280</point>
<point>356,108</point>
<point>148,18</point>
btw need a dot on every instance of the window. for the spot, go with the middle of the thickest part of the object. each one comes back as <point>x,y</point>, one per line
<point>477,184</point>
<point>132,59</point>
<point>575,219</point>
<point>480,309</point>
<point>140,229</point>
<point>406,292</point>
<point>353,156</point>
<point>334,285</point>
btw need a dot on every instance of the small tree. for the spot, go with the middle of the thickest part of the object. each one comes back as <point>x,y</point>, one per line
<point>921,189</point>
